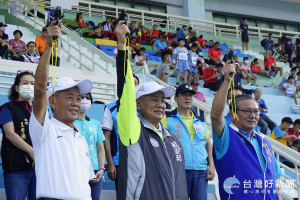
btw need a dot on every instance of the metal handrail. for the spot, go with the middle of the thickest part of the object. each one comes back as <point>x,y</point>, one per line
<point>277,147</point>
<point>174,20</point>
<point>91,57</point>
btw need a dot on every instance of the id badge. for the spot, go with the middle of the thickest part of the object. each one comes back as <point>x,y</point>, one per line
<point>182,56</point>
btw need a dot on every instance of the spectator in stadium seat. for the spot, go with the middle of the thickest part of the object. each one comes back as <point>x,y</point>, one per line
<point>181,58</point>
<point>297,51</point>
<point>295,130</point>
<point>193,135</point>
<point>4,43</point>
<point>154,32</point>
<point>247,70</point>
<point>91,130</point>
<point>191,34</point>
<point>278,46</point>
<point>60,173</point>
<point>270,65</point>
<point>210,77</point>
<point>237,146</point>
<point>18,45</point>
<point>279,133</point>
<point>264,121</point>
<point>181,34</point>
<point>245,38</point>
<point>287,47</point>
<point>163,71</point>
<point>80,22</point>
<point>292,73</point>
<point>269,45</point>
<point>145,36</point>
<point>141,60</point>
<point>16,151</point>
<point>31,56</point>
<point>134,46</point>
<point>106,27</point>
<point>289,89</point>
<point>160,44</point>
<point>211,44</point>
<point>235,59</point>
<point>215,53</point>
<point>145,143</point>
<point>255,68</point>
<point>202,42</point>
<point>40,41</point>
<point>133,30</point>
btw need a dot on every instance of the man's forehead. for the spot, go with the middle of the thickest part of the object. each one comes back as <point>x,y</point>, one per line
<point>247,103</point>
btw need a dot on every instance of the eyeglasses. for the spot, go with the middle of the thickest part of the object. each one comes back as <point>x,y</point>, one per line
<point>249,112</point>
<point>84,96</point>
<point>23,71</point>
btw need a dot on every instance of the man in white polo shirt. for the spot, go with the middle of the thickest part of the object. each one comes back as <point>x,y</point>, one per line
<point>62,163</point>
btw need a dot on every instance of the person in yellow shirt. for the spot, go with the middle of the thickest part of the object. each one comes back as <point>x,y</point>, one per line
<point>280,134</point>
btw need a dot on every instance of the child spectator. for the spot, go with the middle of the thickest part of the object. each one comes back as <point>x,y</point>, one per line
<point>162,72</point>
<point>199,96</point>
<point>289,89</point>
<point>247,70</point>
<point>80,22</point>
<point>215,53</point>
<point>244,29</point>
<point>280,132</point>
<point>292,73</point>
<point>239,74</point>
<point>133,30</point>
<point>270,65</point>
<point>202,42</point>
<point>235,59</point>
<point>160,44</point>
<point>106,27</point>
<point>154,32</point>
<point>145,37</point>
<point>295,130</point>
<point>192,61</point>
<point>18,45</point>
<point>264,121</point>
<point>97,33</point>
<point>268,45</point>
<point>140,59</point>
<point>133,46</point>
<point>210,77</point>
<point>31,56</point>
<point>255,68</point>
<point>181,57</point>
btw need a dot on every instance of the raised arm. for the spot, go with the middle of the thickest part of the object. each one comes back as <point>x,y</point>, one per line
<point>128,122</point>
<point>42,74</point>
<point>219,101</point>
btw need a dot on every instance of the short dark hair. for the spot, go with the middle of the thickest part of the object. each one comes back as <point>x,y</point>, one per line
<point>246,58</point>
<point>190,28</point>
<point>18,31</point>
<point>236,87</point>
<point>184,26</point>
<point>287,120</point>
<point>194,45</point>
<point>31,42</point>
<point>217,43</point>
<point>238,98</point>
<point>90,96</point>
<point>164,54</point>
<point>294,69</point>
<point>244,19</point>
<point>291,77</point>
<point>297,121</point>
<point>180,39</point>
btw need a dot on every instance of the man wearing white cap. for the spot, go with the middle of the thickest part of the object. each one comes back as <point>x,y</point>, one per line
<point>62,163</point>
<point>151,164</point>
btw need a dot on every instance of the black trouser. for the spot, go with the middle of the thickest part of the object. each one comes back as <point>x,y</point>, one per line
<point>4,51</point>
<point>214,86</point>
<point>289,53</point>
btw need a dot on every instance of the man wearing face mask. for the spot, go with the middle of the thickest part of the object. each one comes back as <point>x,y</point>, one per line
<point>91,130</point>
<point>16,150</point>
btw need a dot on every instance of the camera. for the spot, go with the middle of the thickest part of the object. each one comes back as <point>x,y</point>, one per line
<point>123,15</point>
<point>55,15</point>
<point>230,54</point>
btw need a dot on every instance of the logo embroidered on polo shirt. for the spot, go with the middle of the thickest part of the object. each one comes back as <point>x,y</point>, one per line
<point>154,142</point>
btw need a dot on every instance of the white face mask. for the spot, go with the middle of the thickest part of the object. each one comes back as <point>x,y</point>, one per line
<point>2,29</point>
<point>85,105</point>
<point>26,91</point>
<point>247,62</point>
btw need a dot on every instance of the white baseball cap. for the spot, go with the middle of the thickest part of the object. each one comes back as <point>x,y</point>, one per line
<point>152,87</point>
<point>63,83</point>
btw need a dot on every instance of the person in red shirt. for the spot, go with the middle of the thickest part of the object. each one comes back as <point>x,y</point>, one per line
<point>270,64</point>
<point>210,77</point>
<point>295,130</point>
<point>215,53</point>
<point>80,21</point>
<point>256,68</point>
<point>202,42</point>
